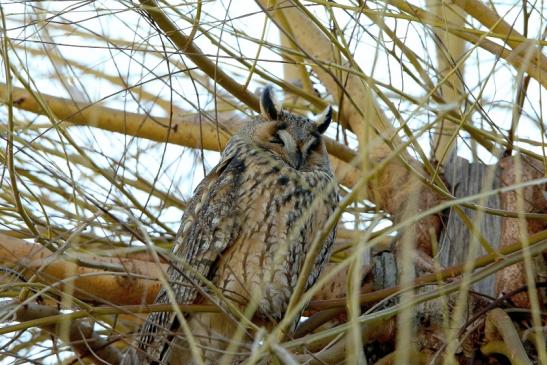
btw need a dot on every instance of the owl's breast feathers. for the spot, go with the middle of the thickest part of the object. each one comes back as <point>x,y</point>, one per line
<point>279,211</point>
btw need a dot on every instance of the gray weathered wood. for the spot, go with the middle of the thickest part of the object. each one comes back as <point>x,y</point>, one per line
<point>465,179</point>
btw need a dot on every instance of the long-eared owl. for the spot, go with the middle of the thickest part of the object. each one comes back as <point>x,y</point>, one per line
<point>246,232</point>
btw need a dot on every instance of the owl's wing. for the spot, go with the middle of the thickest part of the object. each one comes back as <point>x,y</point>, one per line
<point>209,226</point>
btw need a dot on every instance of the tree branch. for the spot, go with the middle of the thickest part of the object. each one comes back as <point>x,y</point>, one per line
<point>80,335</point>
<point>102,283</point>
<point>193,130</point>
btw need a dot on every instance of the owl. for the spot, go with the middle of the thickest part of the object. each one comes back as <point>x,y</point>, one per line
<point>244,237</point>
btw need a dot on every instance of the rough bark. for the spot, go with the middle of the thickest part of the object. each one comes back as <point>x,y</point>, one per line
<point>533,200</point>
<point>472,178</point>
<point>465,179</point>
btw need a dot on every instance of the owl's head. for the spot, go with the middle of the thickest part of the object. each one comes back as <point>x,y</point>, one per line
<point>295,139</point>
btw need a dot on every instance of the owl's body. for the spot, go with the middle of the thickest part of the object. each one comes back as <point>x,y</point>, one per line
<point>247,230</point>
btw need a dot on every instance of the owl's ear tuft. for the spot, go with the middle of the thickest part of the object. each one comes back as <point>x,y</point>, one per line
<point>322,120</point>
<point>269,106</point>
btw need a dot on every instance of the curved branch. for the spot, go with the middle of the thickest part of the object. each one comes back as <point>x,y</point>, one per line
<point>192,51</point>
<point>97,283</point>
<point>81,336</point>
<point>498,322</point>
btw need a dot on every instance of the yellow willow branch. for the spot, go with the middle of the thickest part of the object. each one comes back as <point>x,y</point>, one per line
<point>449,49</point>
<point>80,335</point>
<point>56,58</point>
<point>432,21</point>
<point>192,51</point>
<point>492,21</point>
<point>514,58</point>
<point>498,322</point>
<point>41,315</point>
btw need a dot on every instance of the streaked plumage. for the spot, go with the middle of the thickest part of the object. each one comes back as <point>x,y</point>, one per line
<point>247,229</point>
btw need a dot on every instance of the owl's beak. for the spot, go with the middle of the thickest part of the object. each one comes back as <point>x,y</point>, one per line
<point>294,155</point>
<point>296,159</point>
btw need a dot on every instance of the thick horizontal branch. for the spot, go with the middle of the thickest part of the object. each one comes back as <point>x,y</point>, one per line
<point>44,315</point>
<point>138,290</point>
<point>192,130</point>
<point>113,280</point>
<point>118,281</point>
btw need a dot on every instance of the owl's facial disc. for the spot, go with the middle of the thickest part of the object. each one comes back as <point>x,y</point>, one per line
<point>297,140</point>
